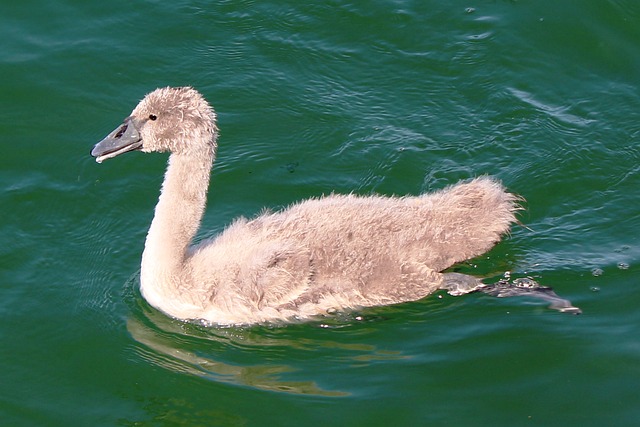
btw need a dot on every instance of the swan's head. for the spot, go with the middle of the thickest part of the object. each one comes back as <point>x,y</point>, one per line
<point>178,120</point>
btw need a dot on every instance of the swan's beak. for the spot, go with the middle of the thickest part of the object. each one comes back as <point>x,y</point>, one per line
<point>122,139</point>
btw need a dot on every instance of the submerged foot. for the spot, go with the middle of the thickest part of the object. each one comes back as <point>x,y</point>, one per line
<point>526,287</point>
<point>460,284</point>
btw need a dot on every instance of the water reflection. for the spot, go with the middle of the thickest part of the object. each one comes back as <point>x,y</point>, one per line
<point>169,354</point>
<point>258,357</point>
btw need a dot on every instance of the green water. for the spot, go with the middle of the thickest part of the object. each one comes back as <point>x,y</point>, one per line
<point>392,97</point>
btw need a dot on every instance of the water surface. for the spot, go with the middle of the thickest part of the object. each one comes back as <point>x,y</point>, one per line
<point>390,97</point>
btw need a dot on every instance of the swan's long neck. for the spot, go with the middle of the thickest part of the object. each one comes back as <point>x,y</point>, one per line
<point>177,219</point>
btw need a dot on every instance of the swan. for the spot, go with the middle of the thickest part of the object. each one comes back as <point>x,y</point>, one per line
<point>318,256</point>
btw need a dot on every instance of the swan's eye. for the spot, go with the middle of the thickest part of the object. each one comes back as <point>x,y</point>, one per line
<point>152,117</point>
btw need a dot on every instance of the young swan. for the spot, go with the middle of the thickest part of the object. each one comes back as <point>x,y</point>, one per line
<point>317,256</point>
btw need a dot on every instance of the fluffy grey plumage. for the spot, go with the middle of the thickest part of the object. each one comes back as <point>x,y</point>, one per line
<point>320,255</point>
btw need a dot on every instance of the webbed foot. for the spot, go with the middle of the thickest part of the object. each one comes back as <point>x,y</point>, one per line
<point>526,287</point>
<point>459,284</point>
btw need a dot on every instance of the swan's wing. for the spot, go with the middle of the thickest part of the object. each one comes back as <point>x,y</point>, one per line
<point>277,273</point>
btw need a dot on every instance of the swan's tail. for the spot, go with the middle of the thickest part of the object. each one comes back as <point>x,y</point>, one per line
<point>474,216</point>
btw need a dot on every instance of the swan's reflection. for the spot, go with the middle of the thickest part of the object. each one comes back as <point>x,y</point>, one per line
<point>205,352</point>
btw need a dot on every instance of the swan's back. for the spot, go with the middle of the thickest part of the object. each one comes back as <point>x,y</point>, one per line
<point>347,251</point>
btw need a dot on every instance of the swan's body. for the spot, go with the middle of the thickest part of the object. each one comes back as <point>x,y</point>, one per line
<point>315,257</point>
